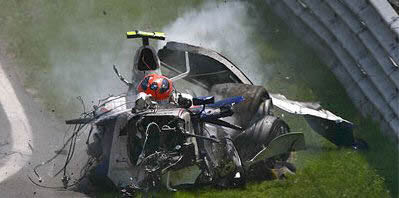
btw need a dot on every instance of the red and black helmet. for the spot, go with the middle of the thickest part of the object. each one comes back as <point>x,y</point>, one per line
<point>160,87</point>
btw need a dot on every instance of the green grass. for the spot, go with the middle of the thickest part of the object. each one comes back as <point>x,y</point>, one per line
<point>80,36</point>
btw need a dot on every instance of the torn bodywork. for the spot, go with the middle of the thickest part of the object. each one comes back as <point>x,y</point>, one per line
<point>224,139</point>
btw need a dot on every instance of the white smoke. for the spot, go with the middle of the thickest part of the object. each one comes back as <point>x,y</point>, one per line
<point>225,27</point>
<point>82,53</point>
<point>84,67</point>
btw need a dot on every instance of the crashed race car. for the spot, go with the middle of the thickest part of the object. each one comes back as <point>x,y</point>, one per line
<point>191,117</point>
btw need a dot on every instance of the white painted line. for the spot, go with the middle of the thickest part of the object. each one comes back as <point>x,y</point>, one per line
<point>17,153</point>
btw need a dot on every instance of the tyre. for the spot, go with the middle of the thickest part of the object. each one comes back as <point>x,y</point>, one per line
<point>259,135</point>
<point>245,112</point>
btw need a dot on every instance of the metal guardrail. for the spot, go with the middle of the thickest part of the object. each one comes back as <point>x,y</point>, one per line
<point>362,52</point>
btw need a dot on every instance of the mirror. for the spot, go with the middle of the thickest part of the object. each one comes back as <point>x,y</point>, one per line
<point>146,59</point>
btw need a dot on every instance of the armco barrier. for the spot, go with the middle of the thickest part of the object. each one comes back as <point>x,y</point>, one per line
<point>359,41</point>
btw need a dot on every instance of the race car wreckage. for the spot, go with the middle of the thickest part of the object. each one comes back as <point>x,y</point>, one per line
<point>155,135</point>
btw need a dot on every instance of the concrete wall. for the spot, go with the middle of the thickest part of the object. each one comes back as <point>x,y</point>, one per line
<point>359,41</point>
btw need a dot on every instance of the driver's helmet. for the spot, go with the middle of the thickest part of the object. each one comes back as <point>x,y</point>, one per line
<point>160,87</point>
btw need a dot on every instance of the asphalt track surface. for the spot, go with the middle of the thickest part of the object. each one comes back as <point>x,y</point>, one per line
<point>28,136</point>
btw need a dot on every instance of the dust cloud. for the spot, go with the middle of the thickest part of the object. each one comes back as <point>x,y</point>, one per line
<point>83,67</point>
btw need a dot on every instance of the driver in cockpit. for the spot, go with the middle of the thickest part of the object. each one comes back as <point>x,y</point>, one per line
<point>158,89</point>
